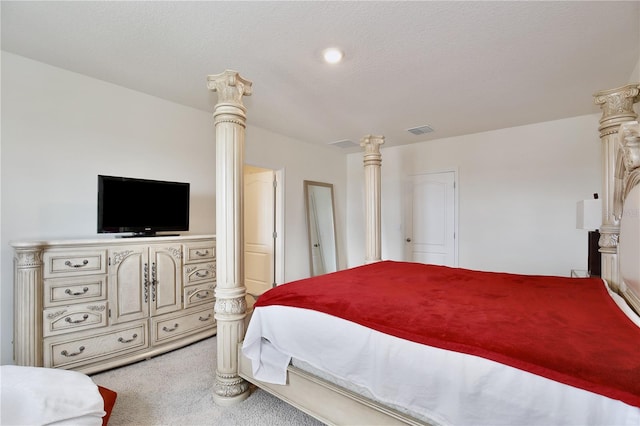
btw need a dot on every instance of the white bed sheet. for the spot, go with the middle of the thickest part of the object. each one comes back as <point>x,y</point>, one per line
<point>437,385</point>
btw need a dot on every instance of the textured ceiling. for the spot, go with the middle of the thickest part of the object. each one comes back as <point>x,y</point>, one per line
<point>460,67</point>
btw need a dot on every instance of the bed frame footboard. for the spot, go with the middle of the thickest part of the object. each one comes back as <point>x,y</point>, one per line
<point>325,401</point>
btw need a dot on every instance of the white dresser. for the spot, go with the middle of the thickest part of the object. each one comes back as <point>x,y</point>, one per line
<point>91,305</point>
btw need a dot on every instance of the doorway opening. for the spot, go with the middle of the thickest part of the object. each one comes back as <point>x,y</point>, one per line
<point>263,230</point>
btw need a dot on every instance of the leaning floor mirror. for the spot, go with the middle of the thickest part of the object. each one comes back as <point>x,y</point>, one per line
<point>323,254</point>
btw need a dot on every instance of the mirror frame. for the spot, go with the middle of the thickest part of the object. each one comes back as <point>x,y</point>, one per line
<point>307,184</point>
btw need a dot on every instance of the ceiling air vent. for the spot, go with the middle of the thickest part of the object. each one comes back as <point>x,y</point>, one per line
<point>420,130</point>
<point>343,144</point>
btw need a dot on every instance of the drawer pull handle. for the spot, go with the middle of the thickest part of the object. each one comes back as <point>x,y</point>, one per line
<point>77,265</point>
<point>202,274</point>
<point>134,337</point>
<point>67,354</point>
<point>175,327</point>
<point>203,296</point>
<point>77,293</point>
<point>70,321</point>
<point>146,283</point>
<point>202,253</point>
<point>154,281</point>
<point>205,319</point>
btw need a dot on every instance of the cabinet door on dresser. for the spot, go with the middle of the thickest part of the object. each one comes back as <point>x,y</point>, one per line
<point>166,278</point>
<point>144,281</point>
<point>129,283</point>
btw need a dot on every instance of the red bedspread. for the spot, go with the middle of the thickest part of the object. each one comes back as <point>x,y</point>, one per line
<point>565,329</point>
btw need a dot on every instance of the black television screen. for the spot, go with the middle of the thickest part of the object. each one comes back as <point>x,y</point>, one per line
<point>142,206</point>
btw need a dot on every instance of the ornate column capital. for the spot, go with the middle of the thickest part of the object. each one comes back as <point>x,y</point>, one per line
<point>617,107</point>
<point>230,86</point>
<point>28,258</point>
<point>371,146</point>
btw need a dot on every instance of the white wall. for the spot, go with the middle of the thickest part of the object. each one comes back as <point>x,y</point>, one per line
<point>518,189</point>
<point>61,129</point>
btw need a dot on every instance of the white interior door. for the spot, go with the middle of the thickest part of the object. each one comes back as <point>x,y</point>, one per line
<point>259,231</point>
<point>432,225</point>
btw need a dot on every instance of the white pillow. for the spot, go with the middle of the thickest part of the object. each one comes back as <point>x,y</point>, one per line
<point>46,396</point>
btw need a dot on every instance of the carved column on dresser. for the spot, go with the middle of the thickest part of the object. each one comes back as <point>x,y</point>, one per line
<point>372,164</point>
<point>617,108</point>
<point>27,315</point>
<point>229,120</point>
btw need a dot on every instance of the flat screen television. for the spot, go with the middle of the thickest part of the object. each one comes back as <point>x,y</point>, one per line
<point>142,206</point>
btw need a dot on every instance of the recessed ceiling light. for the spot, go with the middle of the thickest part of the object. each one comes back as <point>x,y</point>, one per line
<point>332,55</point>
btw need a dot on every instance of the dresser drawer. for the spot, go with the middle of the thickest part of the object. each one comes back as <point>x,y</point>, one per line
<point>75,290</point>
<point>177,326</point>
<point>199,272</point>
<point>198,294</point>
<point>65,319</point>
<point>71,263</point>
<point>62,351</point>
<point>199,252</point>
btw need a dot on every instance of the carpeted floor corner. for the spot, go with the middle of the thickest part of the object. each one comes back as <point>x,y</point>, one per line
<point>176,389</point>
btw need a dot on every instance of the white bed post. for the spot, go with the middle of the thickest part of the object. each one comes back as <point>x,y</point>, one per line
<point>230,307</point>
<point>617,108</point>
<point>372,165</point>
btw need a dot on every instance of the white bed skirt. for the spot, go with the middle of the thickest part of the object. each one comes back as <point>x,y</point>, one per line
<point>434,385</point>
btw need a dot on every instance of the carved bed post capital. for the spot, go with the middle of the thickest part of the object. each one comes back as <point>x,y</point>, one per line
<point>230,87</point>
<point>372,165</point>
<point>230,308</point>
<point>617,108</point>
<point>371,146</point>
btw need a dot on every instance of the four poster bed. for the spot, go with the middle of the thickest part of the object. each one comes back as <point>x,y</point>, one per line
<point>400,342</point>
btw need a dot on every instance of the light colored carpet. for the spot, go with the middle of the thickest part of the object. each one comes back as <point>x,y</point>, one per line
<point>176,388</point>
